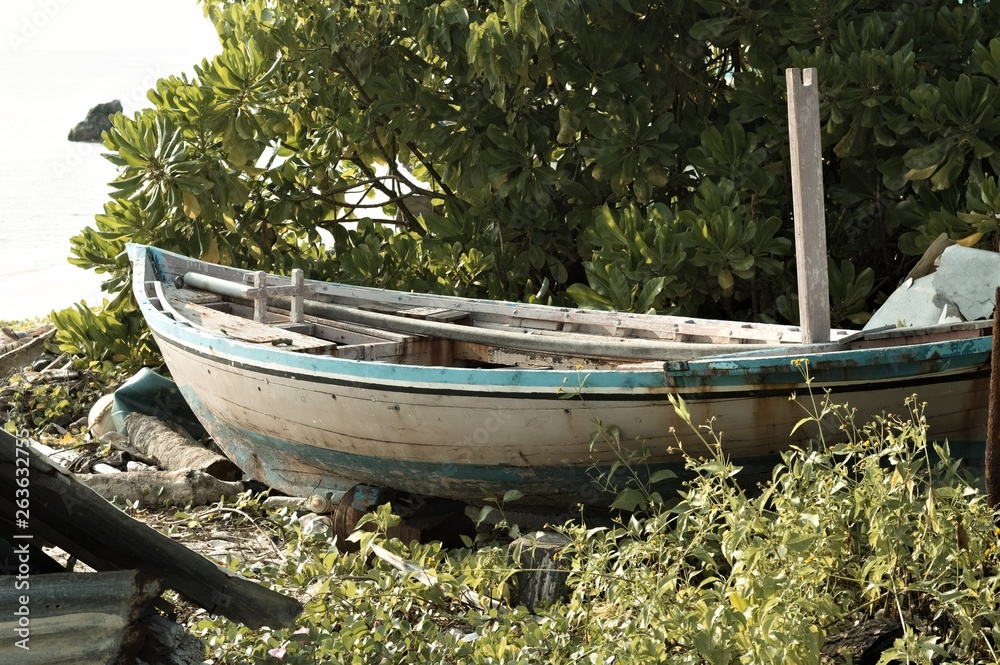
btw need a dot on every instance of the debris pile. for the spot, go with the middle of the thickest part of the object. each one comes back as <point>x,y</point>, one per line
<point>950,284</point>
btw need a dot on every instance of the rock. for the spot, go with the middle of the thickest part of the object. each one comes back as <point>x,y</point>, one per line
<point>316,526</point>
<point>167,643</point>
<point>98,120</point>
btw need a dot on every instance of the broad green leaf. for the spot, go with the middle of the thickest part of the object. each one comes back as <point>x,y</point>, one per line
<point>628,500</point>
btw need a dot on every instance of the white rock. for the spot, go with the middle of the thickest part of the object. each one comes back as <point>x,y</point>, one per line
<point>290,502</point>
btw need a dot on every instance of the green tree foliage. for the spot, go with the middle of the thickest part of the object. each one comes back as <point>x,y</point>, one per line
<point>613,153</point>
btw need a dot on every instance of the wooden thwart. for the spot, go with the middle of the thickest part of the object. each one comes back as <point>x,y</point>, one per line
<point>237,327</point>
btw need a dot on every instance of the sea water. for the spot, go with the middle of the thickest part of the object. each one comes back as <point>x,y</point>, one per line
<point>50,187</point>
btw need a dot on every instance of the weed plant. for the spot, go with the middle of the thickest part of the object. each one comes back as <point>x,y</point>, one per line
<point>879,524</point>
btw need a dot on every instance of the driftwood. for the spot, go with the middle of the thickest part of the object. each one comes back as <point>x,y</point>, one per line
<point>159,488</point>
<point>71,516</point>
<point>121,443</point>
<point>176,449</point>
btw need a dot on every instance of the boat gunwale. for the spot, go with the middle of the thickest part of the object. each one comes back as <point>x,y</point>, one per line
<point>780,335</point>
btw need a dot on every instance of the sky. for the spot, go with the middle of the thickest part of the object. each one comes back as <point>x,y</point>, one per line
<point>35,26</point>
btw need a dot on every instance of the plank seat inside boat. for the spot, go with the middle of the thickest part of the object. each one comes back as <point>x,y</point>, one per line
<point>190,295</point>
<point>246,330</point>
<point>210,312</point>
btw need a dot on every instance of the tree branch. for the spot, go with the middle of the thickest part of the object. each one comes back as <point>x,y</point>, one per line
<point>435,176</point>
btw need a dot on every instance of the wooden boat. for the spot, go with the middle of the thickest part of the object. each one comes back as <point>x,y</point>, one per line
<point>16,351</point>
<point>316,387</point>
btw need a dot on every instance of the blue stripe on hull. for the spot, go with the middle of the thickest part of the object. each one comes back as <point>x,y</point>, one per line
<point>301,470</point>
<point>917,362</point>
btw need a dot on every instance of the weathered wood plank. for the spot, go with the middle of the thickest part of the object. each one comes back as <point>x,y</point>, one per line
<point>71,516</point>
<point>338,332</point>
<point>417,352</point>
<point>501,357</point>
<point>591,346</point>
<point>992,456</point>
<point>20,354</point>
<point>78,618</point>
<point>216,320</point>
<point>808,205</point>
<point>502,311</point>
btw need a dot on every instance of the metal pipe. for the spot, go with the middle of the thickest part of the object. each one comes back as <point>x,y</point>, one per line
<point>223,287</point>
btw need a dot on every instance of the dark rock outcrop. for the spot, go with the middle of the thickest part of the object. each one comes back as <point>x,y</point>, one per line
<point>98,120</point>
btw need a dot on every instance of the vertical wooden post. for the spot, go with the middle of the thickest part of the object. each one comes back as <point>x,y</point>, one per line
<point>992,461</point>
<point>260,297</point>
<point>810,215</point>
<point>297,313</point>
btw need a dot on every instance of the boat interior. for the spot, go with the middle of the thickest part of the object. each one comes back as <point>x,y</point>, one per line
<point>418,329</point>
